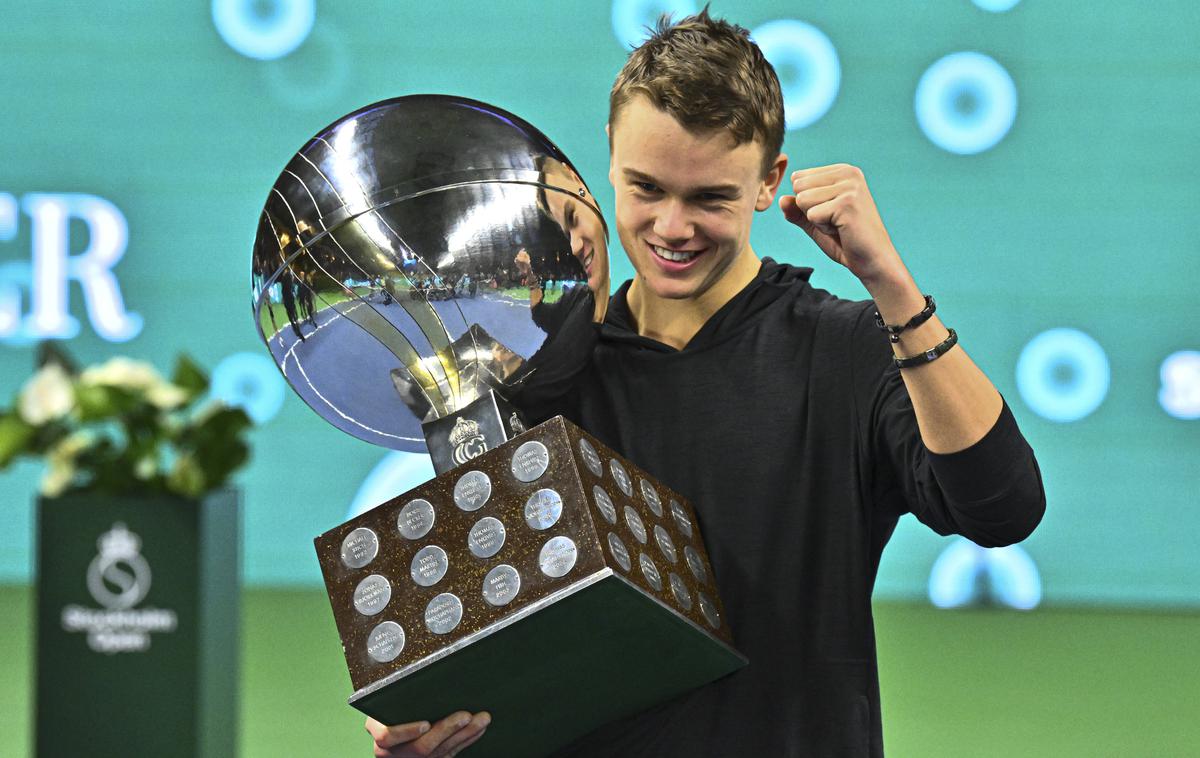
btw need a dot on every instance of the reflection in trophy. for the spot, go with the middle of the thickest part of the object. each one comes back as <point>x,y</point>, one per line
<point>425,268</point>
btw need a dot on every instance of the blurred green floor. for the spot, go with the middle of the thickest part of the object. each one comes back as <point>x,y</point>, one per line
<point>959,683</point>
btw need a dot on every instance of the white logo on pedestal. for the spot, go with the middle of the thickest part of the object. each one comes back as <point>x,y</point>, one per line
<point>118,578</point>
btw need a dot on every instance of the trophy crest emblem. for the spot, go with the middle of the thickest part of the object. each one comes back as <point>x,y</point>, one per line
<point>467,440</point>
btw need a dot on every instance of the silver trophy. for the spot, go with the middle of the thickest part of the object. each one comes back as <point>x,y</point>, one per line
<point>426,269</point>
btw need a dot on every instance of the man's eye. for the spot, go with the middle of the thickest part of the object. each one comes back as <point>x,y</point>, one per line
<point>711,197</point>
<point>646,186</point>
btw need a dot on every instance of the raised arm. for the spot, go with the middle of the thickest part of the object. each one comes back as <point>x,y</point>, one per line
<point>954,402</point>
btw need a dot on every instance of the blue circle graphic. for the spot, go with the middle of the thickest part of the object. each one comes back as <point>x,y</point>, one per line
<point>395,474</point>
<point>1179,394</point>
<point>807,64</point>
<point>264,29</point>
<point>251,382</point>
<point>996,6</point>
<point>631,17</point>
<point>965,103</point>
<point>1063,374</point>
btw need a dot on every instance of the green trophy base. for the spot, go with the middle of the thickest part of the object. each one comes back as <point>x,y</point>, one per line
<point>602,652</point>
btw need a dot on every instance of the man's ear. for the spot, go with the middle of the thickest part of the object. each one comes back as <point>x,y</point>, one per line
<point>770,183</point>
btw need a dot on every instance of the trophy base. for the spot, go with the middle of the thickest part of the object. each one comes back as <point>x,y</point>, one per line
<point>602,650</point>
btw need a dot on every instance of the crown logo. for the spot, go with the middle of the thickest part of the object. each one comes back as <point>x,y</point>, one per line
<point>464,429</point>
<point>119,542</point>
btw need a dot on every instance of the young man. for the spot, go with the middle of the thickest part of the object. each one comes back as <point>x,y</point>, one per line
<point>778,409</point>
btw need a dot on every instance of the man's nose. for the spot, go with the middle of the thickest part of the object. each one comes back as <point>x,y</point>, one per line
<point>673,223</point>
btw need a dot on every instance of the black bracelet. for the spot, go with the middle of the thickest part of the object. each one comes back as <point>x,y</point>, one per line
<point>931,354</point>
<point>893,331</point>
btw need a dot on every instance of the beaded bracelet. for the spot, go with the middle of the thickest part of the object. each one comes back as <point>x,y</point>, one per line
<point>893,331</point>
<point>929,355</point>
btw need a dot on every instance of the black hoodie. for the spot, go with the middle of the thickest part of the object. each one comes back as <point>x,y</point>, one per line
<point>786,424</point>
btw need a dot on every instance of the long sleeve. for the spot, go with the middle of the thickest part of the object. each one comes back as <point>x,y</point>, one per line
<point>991,492</point>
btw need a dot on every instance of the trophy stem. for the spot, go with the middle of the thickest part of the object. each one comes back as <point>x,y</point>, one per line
<point>482,425</point>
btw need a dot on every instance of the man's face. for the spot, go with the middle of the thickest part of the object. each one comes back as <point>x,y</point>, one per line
<point>684,201</point>
<point>583,228</point>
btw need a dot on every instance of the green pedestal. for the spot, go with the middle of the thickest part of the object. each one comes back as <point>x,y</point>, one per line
<point>137,616</point>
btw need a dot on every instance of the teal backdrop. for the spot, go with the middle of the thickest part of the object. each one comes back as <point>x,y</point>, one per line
<point>1036,164</point>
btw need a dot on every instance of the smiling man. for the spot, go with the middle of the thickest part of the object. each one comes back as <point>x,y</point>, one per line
<point>801,426</point>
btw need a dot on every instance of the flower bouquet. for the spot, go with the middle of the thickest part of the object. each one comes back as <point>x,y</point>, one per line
<point>121,428</point>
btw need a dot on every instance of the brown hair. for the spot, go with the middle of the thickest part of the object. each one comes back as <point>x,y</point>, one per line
<point>708,74</point>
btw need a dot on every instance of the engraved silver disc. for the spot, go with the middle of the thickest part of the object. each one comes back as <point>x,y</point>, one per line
<point>530,461</point>
<point>501,585</point>
<point>543,509</point>
<point>486,538</point>
<point>664,543</point>
<point>429,565</point>
<point>622,476</point>
<point>359,548</point>
<point>650,571</point>
<point>372,594</point>
<point>680,591</point>
<point>695,563</point>
<point>617,548</point>
<point>443,613</point>
<point>709,610</point>
<point>416,519</point>
<point>635,524</point>
<point>591,458</point>
<point>472,490</point>
<point>605,504</point>
<point>557,557</point>
<point>385,642</point>
<point>681,519</point>
<point>650,495</point>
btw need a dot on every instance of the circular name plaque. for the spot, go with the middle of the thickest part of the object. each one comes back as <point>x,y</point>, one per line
<point>415,520</point>
<point>680,591</point>
<point>664,543</point>
<point>635,524</point>
<point>530,461</point>
<point>557,557</point>
<point>617,548</point>
<point>681,519</point>
<point>591,458</point>
<point>650,495</point>
<point>709,610</point>
<point>486,538</point>
<point>429,565</point>
<point>695,564</point>
<point>385,642</point>
<point>372,594</point>
<point>604,504</point>
<point>622,476</point>
<point>650,571</point>
<point>443,613</point>
<point>359,548</point>
<point>501,585</point>
<point>543,509</point>
<point>472,490</point>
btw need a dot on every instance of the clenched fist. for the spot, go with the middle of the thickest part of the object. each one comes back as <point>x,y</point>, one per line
<point>833,206</point>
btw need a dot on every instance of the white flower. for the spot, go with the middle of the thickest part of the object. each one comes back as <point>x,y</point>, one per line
<point>146,467</point>
<point>47,396</point>
<point>57,478</point>
<point>122,372</point>
<point>166,396</point>
<point>129,374</point>
<point>60,463</point>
